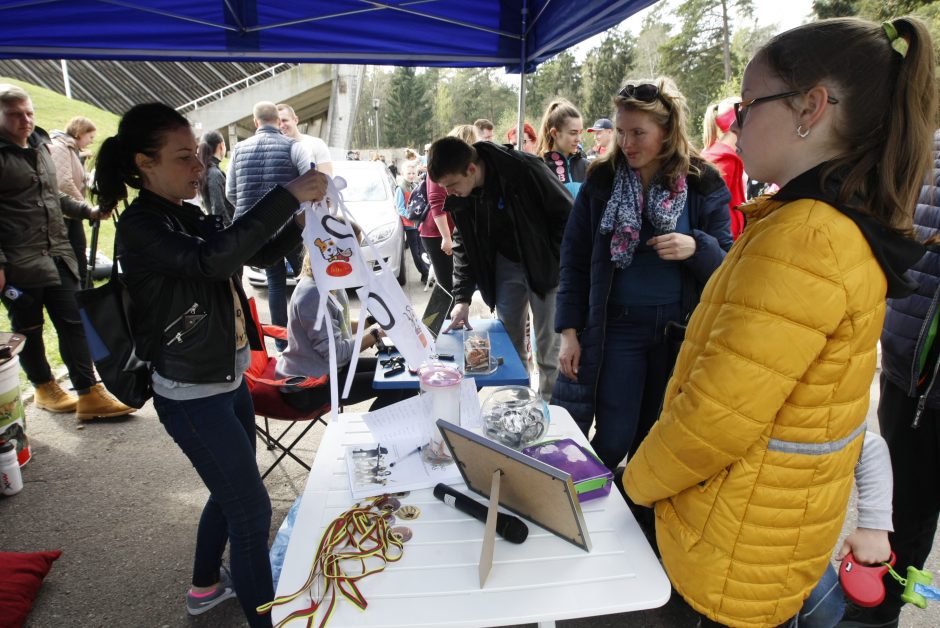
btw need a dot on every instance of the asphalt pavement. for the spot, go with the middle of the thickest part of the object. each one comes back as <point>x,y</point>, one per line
<point>122,502</point>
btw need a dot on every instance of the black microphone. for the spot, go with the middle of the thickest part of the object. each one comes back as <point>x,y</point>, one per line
<point>511,528</point>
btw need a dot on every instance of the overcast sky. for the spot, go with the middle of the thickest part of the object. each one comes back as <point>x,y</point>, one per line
<point>784,14</point>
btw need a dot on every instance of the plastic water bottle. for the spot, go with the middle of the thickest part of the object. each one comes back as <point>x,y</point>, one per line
<point>11,480</point>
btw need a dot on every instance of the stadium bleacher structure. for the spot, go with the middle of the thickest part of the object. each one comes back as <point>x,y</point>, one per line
<point>117,85</point>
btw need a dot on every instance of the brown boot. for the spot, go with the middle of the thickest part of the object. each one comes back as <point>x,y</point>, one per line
<point>51,397</point>
<point>97,403</point>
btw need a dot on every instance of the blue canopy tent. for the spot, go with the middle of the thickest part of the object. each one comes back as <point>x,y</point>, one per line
<point>517,34</point>
<point>454,33</point>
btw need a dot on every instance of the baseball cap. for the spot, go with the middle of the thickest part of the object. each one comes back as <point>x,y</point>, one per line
<point>601,124</point>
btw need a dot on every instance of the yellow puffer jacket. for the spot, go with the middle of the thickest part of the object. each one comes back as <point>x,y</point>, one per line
<point>779,353</point>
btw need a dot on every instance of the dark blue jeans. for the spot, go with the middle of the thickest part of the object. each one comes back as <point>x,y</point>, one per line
<point>632,378</point>
<point>26,318</point>
<point>217,434</point>
<point>277,291</point>
<point>822,609</point>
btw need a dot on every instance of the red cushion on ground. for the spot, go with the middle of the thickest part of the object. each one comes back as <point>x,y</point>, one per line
<point>21,576</point>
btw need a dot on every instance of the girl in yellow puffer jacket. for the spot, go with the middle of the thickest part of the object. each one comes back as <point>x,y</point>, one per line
<point>750,464</point>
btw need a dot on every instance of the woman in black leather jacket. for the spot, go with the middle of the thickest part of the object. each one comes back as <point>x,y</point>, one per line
<point>192,322</point>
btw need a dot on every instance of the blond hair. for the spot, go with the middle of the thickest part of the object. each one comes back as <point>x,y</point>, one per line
<point>466,132</point>
<point>669,111</point>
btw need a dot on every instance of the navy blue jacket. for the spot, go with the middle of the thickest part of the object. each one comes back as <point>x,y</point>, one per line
<point>260,162</point>
<point>907,320</point>
<point>587,272</point>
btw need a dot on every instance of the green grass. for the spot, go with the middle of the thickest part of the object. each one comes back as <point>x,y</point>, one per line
<point>53,111</point>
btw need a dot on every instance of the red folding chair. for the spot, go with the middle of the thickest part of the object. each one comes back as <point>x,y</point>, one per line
<point>265,393</point>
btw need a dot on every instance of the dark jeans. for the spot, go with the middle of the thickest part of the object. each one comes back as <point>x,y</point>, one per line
<point>26,318</point>
<point>76,231</point>
<point>413,238</point>
<point>442,262</point>
<point>632,378</point>
<point>310,399</point>
<point>277,290</point>
<point>217,434</point>
<point>915,460</point>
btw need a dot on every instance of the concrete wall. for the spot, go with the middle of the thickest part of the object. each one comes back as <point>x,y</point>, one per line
<point>313,81</point>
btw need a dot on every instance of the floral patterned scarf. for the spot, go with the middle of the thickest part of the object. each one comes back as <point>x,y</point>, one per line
<point>623,215</point>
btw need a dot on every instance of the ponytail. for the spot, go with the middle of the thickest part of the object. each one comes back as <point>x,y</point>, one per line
<point>911,122</point>
<point>111,172</point>
<point>709,128</point>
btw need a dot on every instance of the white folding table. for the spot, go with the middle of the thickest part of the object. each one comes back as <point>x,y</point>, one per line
<point>436,582</point>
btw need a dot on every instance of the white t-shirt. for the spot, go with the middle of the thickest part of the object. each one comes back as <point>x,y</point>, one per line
<point>316,149</point>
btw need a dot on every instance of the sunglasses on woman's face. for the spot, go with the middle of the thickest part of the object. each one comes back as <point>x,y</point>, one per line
<point>741,108</point>
<point>645,92</point>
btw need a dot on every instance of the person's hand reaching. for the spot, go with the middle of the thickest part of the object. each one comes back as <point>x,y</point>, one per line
<point>310,186</point>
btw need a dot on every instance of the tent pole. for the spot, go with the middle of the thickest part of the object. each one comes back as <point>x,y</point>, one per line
<point>65,78</point>
<point>520,135</point>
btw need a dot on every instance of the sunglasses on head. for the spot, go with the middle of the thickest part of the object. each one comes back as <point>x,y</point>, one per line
<point>644,92</point>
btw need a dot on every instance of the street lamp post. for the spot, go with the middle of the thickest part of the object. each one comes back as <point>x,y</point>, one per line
<point>375,108</point>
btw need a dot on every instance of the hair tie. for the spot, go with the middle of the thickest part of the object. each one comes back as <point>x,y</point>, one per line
<point>898,42</point>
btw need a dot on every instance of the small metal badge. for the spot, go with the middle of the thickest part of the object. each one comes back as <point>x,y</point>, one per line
<point>409,512</point>
<point>401,533</point>
<point>388,503</point>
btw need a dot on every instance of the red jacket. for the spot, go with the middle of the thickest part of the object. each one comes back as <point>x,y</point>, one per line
<point>732,171</point>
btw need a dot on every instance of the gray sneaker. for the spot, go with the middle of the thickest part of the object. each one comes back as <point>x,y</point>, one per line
<point>197,605</point>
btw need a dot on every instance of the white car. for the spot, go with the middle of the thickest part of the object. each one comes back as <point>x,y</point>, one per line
<point>370,198</point>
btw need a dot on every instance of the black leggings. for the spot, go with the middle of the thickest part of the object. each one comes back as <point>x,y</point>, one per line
<point>442,262</point>
<point>308,399</point>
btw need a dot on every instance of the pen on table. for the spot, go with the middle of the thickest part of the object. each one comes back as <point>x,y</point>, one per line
<point>408,455</point>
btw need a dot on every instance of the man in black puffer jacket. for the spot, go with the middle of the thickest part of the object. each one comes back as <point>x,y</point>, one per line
<point>509,214</point>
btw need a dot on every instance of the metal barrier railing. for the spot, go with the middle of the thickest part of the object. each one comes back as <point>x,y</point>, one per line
<point>238,85</point>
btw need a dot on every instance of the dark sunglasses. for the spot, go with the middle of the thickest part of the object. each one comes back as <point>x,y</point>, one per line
<point>645,92</point>
<point>740,108</point>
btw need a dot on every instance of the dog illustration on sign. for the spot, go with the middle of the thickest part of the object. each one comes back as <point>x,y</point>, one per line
<point>338,258</point>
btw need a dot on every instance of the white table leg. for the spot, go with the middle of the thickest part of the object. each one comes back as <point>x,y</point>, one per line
<point>547,624</point>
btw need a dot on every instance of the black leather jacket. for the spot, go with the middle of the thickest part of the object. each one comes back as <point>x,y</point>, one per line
<point>178,264</point>
<point>537,206</point>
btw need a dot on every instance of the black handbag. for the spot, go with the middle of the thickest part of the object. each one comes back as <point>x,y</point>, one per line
<point>105,314</point>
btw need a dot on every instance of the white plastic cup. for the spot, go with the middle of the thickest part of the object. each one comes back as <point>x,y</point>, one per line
<point>11,480</point>
<point>440,392</point>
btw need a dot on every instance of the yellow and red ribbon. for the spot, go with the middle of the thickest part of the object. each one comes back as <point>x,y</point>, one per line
<point>357,535</point>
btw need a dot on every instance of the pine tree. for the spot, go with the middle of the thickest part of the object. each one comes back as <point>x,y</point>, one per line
<point>604,70</point>
<point>407,117</point>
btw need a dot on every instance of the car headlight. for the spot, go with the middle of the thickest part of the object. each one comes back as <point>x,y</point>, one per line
<point>383,233</point>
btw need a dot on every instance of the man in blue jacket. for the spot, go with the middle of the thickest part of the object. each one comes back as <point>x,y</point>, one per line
<point>264,160</point>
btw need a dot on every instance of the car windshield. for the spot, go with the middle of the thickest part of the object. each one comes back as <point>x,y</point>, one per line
<point>364,185</point>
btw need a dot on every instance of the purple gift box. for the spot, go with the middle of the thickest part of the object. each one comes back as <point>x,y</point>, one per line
<point>591,478</point>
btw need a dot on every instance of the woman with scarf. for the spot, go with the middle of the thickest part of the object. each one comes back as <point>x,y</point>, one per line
<point>648,228</point>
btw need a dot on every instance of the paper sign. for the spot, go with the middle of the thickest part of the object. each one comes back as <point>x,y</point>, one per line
<point>386,301</point>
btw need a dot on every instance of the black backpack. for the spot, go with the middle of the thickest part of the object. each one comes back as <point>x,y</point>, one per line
<point>418,205</point>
